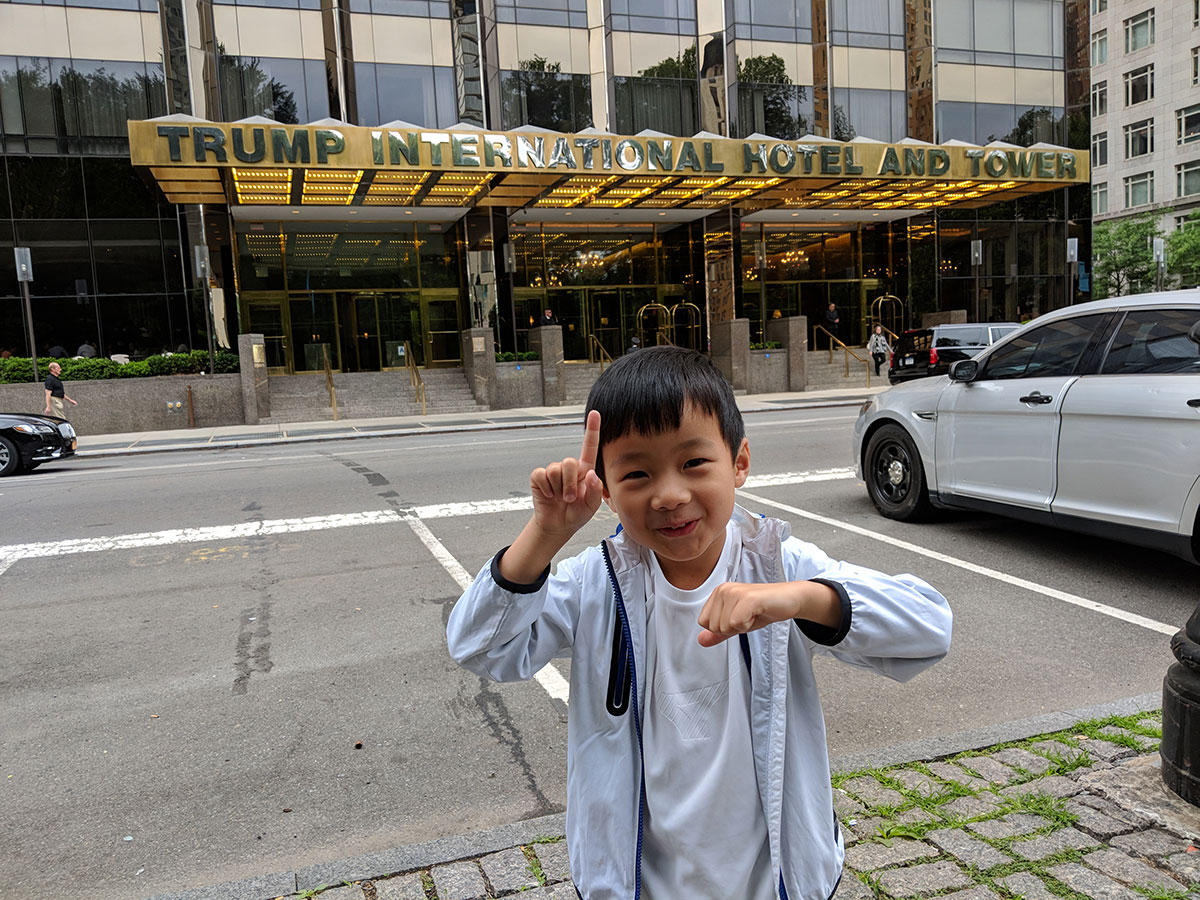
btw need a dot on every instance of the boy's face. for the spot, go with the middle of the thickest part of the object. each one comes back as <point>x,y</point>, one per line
<point>673,493</point>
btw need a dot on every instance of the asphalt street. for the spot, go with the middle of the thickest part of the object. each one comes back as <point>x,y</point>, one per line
<point>224,663</point>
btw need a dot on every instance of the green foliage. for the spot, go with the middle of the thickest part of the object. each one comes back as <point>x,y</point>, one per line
<point>506,356</point>
<point>1183,251</point>
<point>1123,255</point>
<point>523,356</point>
<point>765,345</point>
<point>681,66</point>
<point>19,369</point>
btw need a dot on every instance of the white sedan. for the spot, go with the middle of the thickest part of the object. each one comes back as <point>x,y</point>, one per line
<point>1088,418</point>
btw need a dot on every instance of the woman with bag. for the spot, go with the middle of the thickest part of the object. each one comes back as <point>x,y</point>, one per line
<point>878,347</point>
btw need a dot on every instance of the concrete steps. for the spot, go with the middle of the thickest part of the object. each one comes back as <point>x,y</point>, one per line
<point>822,375</point>
<point>366,395</point>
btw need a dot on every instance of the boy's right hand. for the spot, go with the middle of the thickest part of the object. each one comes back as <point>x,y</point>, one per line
<point>567,494</point>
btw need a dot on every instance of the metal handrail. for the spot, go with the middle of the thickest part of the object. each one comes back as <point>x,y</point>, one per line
<point>662,340</point>
<point>329,382</point>
<point>848,352</point>
<point>414,375</point>
<point>595,345</point>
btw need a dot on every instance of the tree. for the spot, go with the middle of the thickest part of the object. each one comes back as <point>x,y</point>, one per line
<point>763,83</point>
<point>539,94</point>
<point>1183,251</point>
<point>682,66</point>
<point>248,90</point>
<point>1123,255</point>
<point>1035,125</point>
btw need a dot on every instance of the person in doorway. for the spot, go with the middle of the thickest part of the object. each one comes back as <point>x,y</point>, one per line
<point>56,393</point>
<point>58,351</point>
<point>696,765</point>
<point>87,350</point>
<point>833,321</point>
<point>878,347</point>
<point>548,318</point>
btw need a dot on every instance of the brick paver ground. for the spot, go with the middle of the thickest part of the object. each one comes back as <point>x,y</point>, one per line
<point>1002,823</point>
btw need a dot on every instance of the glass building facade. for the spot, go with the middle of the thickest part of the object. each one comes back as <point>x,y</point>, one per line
<point>112,257</point>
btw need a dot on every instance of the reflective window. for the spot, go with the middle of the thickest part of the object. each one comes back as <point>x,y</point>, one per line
<point>571,13</point>
<point>87,98</point>
<point>1099,6</point>
<point>660,104</point>
<point>654,16</point>
<point>1139,189</point>
<point>421,95</point>
<point>1187,179</point>
<point>1139,138</point>
<point>1027,33</point>
<point>1139,85</point>
<point>774,20</point>
<point>418,8</point>
<point>1053,350</point>
<point>274,4</point>
<point>867,23</point>
<point>1100,98</point>
<point>1100,149</point>
<point>1187,124</point>
<point>541,94</point>
<point>1139,31</point>
<point>859,112</point>
<point>1154,341</point>
<point>292,91</point>
<point>1100,47</point>
<point>1099,198</point>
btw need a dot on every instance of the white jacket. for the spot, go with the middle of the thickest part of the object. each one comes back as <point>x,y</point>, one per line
<point>593,609</point>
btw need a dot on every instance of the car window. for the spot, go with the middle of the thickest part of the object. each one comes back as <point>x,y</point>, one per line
<point>1154,341</point>
<point>1053,349</point>
<point>961,337</point>
<point>914,342</point>
<point>999,331</point>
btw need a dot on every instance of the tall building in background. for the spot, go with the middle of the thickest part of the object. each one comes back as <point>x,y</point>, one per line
<point>400,261</point>
<point>1145,105</point>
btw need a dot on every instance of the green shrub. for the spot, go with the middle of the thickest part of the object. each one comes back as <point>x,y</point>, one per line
<point>88,369</point>
<point>137,369</point>
<point>528,356</point>
<point>506,356</point>
<point>228,362</point>
<point>16,370</point>
<point>766,345</point>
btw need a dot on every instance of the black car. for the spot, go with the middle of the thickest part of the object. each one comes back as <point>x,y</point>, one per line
<point>931,351</point>
<point>28,441</point>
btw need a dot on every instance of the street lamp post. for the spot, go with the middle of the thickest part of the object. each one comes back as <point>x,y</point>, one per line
<point>25,276</point>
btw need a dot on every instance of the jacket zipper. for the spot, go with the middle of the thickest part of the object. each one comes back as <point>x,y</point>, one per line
<point>637,715</point>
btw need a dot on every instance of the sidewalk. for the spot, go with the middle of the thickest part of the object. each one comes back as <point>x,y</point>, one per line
<point>1074,811</point>
<point>236,436</point>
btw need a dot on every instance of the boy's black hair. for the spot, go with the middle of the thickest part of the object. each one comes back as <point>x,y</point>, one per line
<point>647,391</point>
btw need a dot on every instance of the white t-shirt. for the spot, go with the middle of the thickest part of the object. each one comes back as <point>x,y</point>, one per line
<point>705,832</point>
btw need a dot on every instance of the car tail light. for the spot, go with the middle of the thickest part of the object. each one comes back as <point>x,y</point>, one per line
<point>932,357</point>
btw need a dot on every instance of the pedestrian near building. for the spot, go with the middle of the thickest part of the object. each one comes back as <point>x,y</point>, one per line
<point>696,765</point>
<point>56,393</point>
<point>87,350</point>
<point>548,318</point>
<point>878,347</point>
<point>833,321</point>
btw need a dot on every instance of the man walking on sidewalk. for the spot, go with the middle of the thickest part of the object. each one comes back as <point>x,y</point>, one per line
<point>56,394</point>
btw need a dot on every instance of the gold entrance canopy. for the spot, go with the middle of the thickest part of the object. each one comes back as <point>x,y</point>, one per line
<point>328,163</point>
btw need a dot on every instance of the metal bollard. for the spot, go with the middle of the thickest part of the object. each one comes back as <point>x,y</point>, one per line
<point>1180,747</point>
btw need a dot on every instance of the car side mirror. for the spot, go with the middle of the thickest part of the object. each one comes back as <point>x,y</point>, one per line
<point>964,370</point>
<point>1194,334</point>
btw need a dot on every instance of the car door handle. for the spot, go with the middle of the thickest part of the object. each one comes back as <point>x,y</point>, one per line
<point>1036,397</point>
<point>1194,404</point>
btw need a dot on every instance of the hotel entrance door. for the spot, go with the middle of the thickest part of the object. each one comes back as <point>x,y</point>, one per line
<point>268,317</point>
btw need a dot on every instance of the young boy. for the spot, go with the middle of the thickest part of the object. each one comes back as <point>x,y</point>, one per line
<point>696,765</point>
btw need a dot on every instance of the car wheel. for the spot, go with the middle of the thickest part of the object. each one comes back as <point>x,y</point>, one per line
<point>895,476</point>
<point>10,459</point>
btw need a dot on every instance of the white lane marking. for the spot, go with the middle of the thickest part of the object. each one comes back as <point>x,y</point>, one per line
<point>774,424</point>
<point>548,677</point>
<point>1073,599</point>
<point>6,562</point>
<point>201,534</point>
<point>755,481</point>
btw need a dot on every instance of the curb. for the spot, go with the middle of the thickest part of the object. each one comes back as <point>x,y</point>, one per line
<point>447,850</point>
<point>407,432</point>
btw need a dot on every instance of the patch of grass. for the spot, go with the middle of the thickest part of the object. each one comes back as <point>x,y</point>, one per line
<point>548,839</point>
<point>428,886</point>
<point>889,830</point>
<point>312,892</point>
<point>1054,809</point>
<point>1158,892</point>
<point>535,865</point>
<point>1061,764</point>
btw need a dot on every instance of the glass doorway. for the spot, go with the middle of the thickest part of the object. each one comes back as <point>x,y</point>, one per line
<point>439,310</point>
<point>267,316</point>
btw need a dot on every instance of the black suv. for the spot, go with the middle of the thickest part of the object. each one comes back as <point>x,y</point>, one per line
<point>930,351</point>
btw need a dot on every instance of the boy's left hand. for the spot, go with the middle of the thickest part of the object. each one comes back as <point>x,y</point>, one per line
<point>736,608</point>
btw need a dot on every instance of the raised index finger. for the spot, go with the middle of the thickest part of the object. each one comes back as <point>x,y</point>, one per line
<point>591,442</point>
